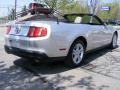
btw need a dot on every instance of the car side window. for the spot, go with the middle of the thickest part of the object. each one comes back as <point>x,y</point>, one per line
<point>85,19</point>
<point>95,21</point>
<point>92,20</point>
<point>71,18</point>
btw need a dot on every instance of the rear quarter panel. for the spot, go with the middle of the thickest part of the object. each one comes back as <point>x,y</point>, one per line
<point>64,35</point>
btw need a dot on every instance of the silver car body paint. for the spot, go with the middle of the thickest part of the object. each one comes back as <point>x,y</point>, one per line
<point>60,36</point>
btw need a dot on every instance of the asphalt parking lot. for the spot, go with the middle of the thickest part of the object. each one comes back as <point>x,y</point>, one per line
<point>99,71</point>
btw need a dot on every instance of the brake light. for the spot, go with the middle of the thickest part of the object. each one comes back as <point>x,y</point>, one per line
<point>37,32</point>
<point>8,29</point>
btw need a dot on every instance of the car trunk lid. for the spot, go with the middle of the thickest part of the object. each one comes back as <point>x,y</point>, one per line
<point>22,28</point>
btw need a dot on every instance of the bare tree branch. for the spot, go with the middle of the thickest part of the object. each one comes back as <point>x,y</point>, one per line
<point>94,4</point>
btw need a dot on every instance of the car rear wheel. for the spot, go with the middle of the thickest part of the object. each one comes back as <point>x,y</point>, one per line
<point>76,54</point>
<point>114,41</point>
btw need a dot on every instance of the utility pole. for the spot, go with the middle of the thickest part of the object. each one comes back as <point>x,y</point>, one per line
<point>8,13</point>
<point>15,9</point>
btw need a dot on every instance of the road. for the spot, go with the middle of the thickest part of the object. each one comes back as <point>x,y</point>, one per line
<point>99,71</point>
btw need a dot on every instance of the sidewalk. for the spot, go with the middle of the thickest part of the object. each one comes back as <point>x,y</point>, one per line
<point>81,79</point>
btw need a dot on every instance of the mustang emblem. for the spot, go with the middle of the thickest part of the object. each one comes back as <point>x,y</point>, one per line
<point>17,30</point>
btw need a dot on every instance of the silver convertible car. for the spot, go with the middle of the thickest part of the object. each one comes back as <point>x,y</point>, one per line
<point>48,37</point>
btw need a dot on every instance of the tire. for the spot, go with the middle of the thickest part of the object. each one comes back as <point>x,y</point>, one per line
<point>113,44</point>
<point>76,54</point>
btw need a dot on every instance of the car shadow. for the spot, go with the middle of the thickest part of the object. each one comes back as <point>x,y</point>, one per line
<point>21,75</point>
<point>89,57</point>
<point>57,67</point>
<point>15,78</point>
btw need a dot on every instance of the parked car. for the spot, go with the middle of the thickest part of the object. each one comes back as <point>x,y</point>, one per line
<point>110,22</point>
<point>38,8</point>
<point>118,22</point>
<point>68,39</point>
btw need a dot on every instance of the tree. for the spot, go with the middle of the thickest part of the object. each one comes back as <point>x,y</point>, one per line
<point>64,6</point>
<point>11,16</point>
<point>51,3</point>
<point>112,14</point>
<point>71,6</point>
<point>93,6</point>
<point>82,6</point>
<point>24,11</point>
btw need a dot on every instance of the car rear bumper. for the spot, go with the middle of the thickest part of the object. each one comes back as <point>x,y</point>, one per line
<point>31,54</point>
<point>24,53</point>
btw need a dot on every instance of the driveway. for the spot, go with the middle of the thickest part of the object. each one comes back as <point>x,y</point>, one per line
<point>100,70</point>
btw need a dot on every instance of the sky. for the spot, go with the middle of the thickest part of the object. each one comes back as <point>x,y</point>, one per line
<point>4,4</point>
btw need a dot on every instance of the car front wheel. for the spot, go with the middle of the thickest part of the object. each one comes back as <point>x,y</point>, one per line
<point>114,41</point>
<point>76,54</point>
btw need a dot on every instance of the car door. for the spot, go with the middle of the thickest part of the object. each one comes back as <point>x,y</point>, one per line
<point>100,34</point>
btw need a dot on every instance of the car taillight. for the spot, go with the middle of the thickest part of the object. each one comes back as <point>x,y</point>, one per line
<point>37,32</point>
<point>8,29</point>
